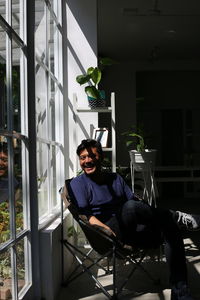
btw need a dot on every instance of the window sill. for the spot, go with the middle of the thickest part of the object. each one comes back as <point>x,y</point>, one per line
<point>49,221</point>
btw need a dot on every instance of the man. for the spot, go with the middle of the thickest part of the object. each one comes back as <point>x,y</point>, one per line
<point>108,201</point>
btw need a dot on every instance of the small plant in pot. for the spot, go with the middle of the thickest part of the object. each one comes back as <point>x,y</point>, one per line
<point>140,146</point>
<point>141,154</point>
<point>93,77</point>
<point>142,161</point>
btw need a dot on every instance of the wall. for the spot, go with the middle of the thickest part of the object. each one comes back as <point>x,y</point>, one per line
<point>80,54</point>
<point>51,258</point>
<point>120,78</point>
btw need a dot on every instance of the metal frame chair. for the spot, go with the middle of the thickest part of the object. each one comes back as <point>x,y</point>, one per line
<point>105,244</point>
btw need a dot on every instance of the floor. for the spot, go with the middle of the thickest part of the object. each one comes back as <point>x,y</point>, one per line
<point>140,287</point>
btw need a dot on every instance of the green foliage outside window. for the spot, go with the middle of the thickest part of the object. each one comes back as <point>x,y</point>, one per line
<point>5,268</point>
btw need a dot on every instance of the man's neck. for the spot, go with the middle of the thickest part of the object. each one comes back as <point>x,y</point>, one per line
<point>98,177</point>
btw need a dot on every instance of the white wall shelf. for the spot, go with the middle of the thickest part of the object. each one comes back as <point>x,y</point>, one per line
<point>99,110</point>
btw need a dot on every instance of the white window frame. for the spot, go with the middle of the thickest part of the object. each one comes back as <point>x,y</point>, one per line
<point>22,136</point>
<point>53,13</point>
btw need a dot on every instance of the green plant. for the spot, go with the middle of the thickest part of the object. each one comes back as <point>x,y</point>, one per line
<point>4,222</point>
<point>5,264</point>
<point>93,77</point>
<point>135,138</point>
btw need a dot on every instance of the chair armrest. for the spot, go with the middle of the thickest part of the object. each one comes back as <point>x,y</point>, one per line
<point>96,227</point>
<point>103,230</point>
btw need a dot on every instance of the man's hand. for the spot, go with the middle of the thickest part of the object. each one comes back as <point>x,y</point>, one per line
<point>94,221</point>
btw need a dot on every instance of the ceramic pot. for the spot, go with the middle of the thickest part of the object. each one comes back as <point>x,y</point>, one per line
<point>100,102</point>
<point>143,160</point>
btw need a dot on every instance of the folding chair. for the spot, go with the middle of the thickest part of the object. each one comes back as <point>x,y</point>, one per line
<point>106,245</point>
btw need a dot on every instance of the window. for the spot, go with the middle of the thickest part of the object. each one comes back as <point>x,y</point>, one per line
<point>49,107</point>
<point>15,271</point>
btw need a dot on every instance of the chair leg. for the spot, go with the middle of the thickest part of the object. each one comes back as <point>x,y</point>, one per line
<point>81,257</point>
<point>114,273</point>
<point>71,248</point>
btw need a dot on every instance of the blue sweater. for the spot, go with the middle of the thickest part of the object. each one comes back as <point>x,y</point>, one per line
<point>100,200</point>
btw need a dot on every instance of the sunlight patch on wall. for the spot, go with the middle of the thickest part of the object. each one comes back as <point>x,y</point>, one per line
<point>80,47</point>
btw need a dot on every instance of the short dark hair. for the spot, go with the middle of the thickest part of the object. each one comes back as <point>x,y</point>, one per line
<point>89,143</point>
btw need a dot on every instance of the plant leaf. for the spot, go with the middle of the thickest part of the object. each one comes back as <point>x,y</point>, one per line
<point>90,70</point>
<point>92,92</point>
<point>96,75</point>
<point>128,143</point>
<point>81,79</point>
<point>106,61</point>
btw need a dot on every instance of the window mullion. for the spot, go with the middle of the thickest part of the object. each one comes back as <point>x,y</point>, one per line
<point>14,264</point>
<point>9,71</point>
<point>48,111</point>
<point>10,148</point>
<point>23,71</point>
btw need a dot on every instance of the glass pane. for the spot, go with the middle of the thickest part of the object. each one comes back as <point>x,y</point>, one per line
<point>3,103</point>
<point>52,110</point>
<point>41,103</point>
<point>51,43</point>
<point>5,275</point>
<point>4,192</point>
<point>15,15</point>
<point>18,186</point>
<point>40,30</point>
<point>42,171</point>
<point>53,176</point>
<point>3,8</point>
<point>57,174</point>
<point>54,4</point>
<point>16,86</point>
<point>20,264</point>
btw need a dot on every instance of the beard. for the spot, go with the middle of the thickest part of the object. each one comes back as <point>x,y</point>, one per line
<point>3,171</point>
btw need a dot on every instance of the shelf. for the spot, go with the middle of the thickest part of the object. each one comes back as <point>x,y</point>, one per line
<point>107,149</point>
<point>99,109</point>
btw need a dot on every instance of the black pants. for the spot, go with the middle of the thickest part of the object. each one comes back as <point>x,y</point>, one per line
<point>141,225</point>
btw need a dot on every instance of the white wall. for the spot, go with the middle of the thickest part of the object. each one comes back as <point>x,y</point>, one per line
<point>51,258</point>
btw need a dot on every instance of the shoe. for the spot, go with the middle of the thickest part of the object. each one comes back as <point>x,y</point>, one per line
<point>181,292</point>
<point>188,221</point>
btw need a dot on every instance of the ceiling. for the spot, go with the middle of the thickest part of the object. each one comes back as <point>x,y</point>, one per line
<point>142,30</point>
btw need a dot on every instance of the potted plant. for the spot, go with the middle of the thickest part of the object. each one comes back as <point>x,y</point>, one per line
<point>143,161</point>
<point>141,157</point>
<point>93,77</point>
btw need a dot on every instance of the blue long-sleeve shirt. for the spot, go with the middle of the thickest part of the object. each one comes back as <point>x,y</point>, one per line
<point>100,200</point>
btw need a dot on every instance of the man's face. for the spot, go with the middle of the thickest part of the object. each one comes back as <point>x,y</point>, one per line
<point>90,160</point>
<point>3,163</point>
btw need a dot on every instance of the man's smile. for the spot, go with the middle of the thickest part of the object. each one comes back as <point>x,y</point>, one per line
<point>89,165</point>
